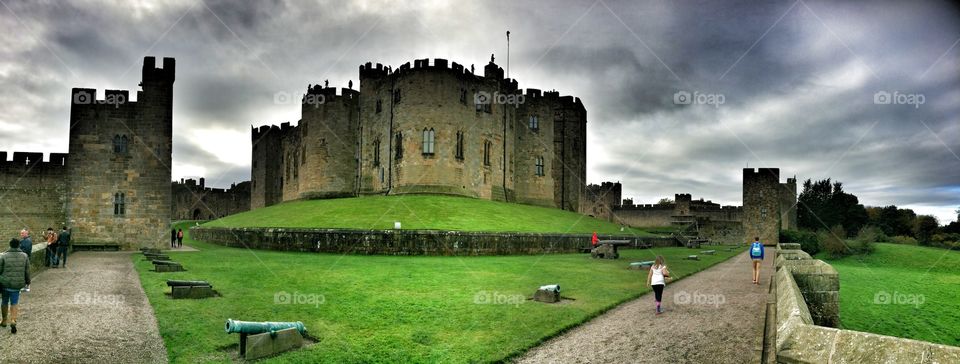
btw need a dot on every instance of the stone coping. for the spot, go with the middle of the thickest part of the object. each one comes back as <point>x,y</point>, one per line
<point>799,340</point>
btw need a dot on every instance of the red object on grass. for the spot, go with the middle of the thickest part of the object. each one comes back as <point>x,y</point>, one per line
<point>594,240</point>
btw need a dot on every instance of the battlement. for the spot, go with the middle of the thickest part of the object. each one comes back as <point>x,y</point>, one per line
<point>33,159</point>
<point>683,197</point>
<point>153,74</point>
<point>761,172</point>
<point>192,184</point>
<point>329,94</point>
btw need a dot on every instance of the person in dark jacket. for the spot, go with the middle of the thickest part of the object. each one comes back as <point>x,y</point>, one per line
<point>14,275</point>
<point>173,238</point>
<point>63,243</point>
<point>26,245</point>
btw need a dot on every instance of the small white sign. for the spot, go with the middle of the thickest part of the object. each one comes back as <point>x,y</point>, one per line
<point>396,225</point>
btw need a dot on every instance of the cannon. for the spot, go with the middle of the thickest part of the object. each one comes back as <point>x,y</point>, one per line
<point>182,283</point>
<point>164,262</point>
<point>550,287</point>
<point>266,338</point>
<point>247,327</point>
<point>549,293</point>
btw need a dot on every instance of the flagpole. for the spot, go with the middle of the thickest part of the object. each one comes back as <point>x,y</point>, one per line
<point>508,54</point>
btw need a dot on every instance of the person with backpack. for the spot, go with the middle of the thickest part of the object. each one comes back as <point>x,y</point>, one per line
<point>14,275</point>
<point>179,238</point>
<point>756,257</point>
<point>656,279</point>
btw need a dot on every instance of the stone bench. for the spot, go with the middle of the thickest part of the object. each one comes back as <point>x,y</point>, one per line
<point>708,252</point>
<point>192,292</point>
<point>692,257</point>
<point>161,266</point>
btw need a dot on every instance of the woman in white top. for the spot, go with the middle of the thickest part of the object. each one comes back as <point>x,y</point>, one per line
<point>656,279</point>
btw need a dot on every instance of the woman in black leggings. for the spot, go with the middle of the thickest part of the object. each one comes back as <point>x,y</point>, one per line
<point>656,278</point>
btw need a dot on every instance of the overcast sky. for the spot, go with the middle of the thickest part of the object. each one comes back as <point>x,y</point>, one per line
<point>797,80</point>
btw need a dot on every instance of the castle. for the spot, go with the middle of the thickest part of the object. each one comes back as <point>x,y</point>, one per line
<point>428,128</point>
<point>113,187</point>
<point>768,207</point>
<point>193,201</point>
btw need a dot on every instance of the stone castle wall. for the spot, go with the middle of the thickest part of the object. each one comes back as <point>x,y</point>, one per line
<point>193,201</point>
<point>32,194</point>
<point>761,204</point>
<point>406,242</point>
<point>371,141</point>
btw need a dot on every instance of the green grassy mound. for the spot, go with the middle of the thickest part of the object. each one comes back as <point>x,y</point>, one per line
<point>428,212</point>
<point>394,309</point>
<point>901,290</point>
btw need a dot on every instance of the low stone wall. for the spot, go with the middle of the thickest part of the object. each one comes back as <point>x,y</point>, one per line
<point>406,242</point>
<point>808,298</point>
<point>37,258</point>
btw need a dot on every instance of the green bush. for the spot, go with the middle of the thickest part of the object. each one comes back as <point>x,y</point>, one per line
<point>832,241</point>
<point>905,240</point>
<point>808,240</point>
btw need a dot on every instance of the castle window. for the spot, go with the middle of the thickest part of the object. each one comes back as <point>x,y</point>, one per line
<point>399,153</point>
<point>119,204</point>
<point>486,152</point>
<point>540,166</point>
<point>376,153</point>
<point>120,144</point>
<point>459,152</point>
<point>379,106</point>
<point>396,96</point>
<point>763,213</point>
<point>429,137</point>
<point>534,123</point>
<point>463,96</point>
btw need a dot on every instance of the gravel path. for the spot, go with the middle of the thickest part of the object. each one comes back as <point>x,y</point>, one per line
<point>90,312</point>
<point>711,317</point>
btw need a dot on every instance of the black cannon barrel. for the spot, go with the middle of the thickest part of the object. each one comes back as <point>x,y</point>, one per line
<point>165,262</point>
<point>182,283</point>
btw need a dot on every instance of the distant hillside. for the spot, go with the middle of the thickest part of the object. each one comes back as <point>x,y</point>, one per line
<point>433,212</point>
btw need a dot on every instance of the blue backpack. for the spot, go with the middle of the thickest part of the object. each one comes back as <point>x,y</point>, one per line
<point>756,249</point>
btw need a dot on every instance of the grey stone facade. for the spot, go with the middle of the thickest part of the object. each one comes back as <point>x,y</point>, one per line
<point>195,201</point>
<point>487,139</point>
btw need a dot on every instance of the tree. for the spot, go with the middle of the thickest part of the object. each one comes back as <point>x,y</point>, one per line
<point>926,226</point>
<point>665,202</point>
<point>823,204</point>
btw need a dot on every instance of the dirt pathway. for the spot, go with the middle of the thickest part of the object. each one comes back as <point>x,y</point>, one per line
<point>711,317</point>
<point>90,312</point>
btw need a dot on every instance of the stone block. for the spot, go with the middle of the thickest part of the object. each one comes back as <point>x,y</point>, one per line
<point>708,252</point>
<point>641,265</point>
<point>692,257</point>
<point>806,344</point>
<point>156,257</point>
<point>192,292</point>
<point>605,251</point>
<point>790,246</point>
<point>272,343</point>
<point>546,296</point>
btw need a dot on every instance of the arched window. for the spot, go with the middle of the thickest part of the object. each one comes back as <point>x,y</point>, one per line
<point>459,152</point>
<point>123,144</point>
<point>119,204</point>
<point>429,137</point>
<point>540,166</point>
<point>116,144</point>
<point>486,152</point>
<point>534,123</point>
<point>399,153</point>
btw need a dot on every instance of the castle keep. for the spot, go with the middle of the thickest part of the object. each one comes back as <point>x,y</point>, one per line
<point>768,205</point>
<point>114,185</point>
<point>428,128</point>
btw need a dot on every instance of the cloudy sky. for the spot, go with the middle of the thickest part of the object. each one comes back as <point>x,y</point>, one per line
<point>788,84</point>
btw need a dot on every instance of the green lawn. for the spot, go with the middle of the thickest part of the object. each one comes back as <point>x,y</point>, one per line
<point>435,212</point>
<point>920,284</point>
<point>393,309</point>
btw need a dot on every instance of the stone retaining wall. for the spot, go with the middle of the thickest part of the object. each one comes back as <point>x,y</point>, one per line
<point>808,298</point>
<point>406,242</point>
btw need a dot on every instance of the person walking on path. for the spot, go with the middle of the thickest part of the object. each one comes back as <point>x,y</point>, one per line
<point>51,250</point>
<point>26,244</point>
<point>179,238</point>
<point>14,275</point>
<point>173,238</point>
<point>63,244</point>
<point>656,279</point>
<point>756,257</point>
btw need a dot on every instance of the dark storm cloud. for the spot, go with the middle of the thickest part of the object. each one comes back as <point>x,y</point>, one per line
<point>798,80</point>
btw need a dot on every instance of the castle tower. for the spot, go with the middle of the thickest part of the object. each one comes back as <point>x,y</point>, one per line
<point>788,204</point>
<point>682,204</point>
<point>120,153</point>
<point>327,160</point>
<point>265,182</point>
<point>761,204</point>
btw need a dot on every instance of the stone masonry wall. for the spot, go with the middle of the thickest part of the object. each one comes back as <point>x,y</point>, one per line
<point>32,195</point>
<point>404,242</point>
<point>761,204</point>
